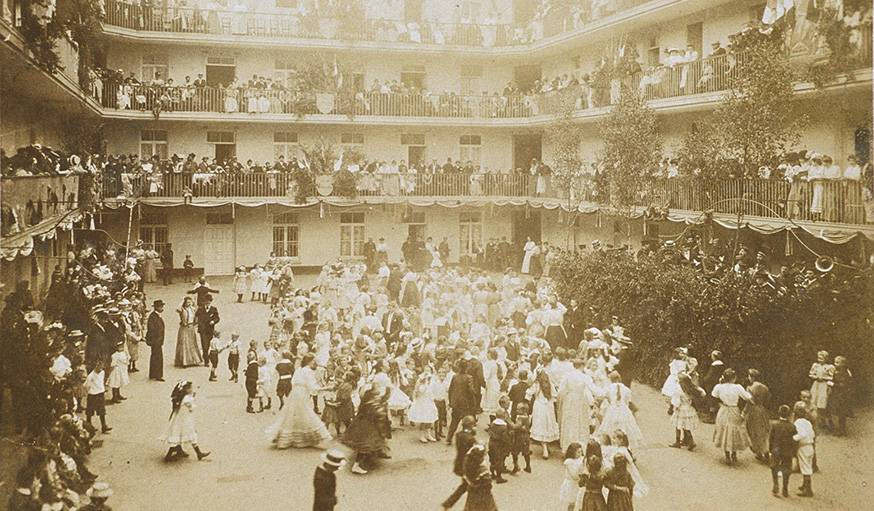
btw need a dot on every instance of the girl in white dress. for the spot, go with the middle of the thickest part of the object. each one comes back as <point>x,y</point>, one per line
<point>618,416</point>
<point>118,375</point>
<point>492,377</point>
<point>544,426</point>
<point>730,432</point>
<point>573,466</point>
<point>678,365</point>
<point>398,402</point>
<point>300,426</point>
<point>423,411</point>
<point>181,428</point>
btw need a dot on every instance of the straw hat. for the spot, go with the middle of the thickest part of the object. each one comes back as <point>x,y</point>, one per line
<point>334,458</point>
<point>100,490</point>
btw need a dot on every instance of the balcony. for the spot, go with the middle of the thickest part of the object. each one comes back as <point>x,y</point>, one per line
<point>33,202</point>
<point>191,24</point>
<point>843,204</point>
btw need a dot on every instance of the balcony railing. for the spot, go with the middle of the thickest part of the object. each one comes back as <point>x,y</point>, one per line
<point>293,25</point>
<point>838,201</point>
<point>35,199</point>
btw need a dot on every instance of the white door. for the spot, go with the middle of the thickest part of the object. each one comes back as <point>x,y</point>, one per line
<point>218,248</point>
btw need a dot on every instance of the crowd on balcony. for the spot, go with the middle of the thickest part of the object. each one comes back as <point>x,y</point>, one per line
<point>350,20</point>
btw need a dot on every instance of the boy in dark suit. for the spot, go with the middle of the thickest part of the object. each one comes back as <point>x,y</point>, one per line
<point>783,448</point>
<point>325,481</point>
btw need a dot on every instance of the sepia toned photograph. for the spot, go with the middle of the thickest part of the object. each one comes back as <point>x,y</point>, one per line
<point>409,255</point>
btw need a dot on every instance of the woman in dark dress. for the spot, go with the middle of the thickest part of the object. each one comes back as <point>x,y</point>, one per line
<point>370,428</point>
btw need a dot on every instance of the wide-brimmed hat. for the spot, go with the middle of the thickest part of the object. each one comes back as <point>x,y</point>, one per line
<point>100,490</point>
<point>334,458</point>
<point>76,333</point>
<point>158,303</point>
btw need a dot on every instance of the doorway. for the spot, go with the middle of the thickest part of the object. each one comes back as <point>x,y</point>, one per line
<point>224,152</point>
<point>525,76</point>
<point>526,226</point>
<point>416,155</point>
<point>526,148</point>
<point>218,244</point>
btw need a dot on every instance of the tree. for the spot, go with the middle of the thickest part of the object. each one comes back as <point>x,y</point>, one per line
<point>564,137</point>
<point>632,148</point>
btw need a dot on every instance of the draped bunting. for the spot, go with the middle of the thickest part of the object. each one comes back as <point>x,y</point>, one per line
<point>22,244</point>
<point>832,233</point>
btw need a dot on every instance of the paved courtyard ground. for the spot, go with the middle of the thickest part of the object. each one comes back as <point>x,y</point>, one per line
<point>244,472</point>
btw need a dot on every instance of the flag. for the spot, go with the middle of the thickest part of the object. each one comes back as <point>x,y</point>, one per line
<point>338,77</point>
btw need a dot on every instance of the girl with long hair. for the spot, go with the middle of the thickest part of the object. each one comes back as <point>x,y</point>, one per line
<point>685,417</point>
<point>181,428</point>
<point>730,432</point>
<point>544,426</point>
<point>573,466</point>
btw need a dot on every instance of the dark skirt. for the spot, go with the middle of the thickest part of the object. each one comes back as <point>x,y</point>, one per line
<point>556,336</point>
<point>283,387</point>
<point>364,436</point>
<point>619,501</point>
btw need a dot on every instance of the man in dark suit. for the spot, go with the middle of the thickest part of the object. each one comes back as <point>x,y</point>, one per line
<point>475,370</point>
<point>167,265</point>
<point>462,399</point>
<point>574,324</point>
<point>393,286</point>
<point>155,340</point>
<point>207,316</point>
<point>392,324</point>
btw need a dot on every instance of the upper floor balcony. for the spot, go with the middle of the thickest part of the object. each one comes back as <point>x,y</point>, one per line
<point>33,201</point>
<point>839,204</point>
<point>329,30</point>
<point>689,85</point>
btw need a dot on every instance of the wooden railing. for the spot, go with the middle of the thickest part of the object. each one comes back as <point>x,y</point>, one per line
<point>37,198</point>
<point>842,201</point>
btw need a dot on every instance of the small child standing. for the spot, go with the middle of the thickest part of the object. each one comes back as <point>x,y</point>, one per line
<point>234,357</point>
<point>573,467</point>
<point>805,437</point>
<point>423,411</point>
<point>118,373</point>
<point>685,418</point>
<point>96,389</point>
<point>216,346</point>
<point>265,381</point>
<point>187,268</point>
<point>521,437</point>
<point>499,445</point>
<point>251,375</point>
<point>440,390</point>
<point>519,393</point>
<point>782,443</point>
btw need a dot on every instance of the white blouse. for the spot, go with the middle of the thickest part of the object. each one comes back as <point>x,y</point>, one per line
<point>730,393</point>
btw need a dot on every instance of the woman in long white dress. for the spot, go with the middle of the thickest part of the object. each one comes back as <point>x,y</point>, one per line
<point>181,428</point>
<point>575,406</point>
<point>544,427</point>
<point>300,426</point>
<point>530,250</point>
<point>188,350</point>
<point>492,392</point>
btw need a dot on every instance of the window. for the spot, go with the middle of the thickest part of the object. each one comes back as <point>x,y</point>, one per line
<point>219,218</point>
<point>154,64</point>
<point>285,235</point>
<point>470,80</point>
<point>220,137</point>
<point>153,142</point>
<point>470,10</point>
<point>413,76</point>
<point>470,235</point>
<point>285,73</point>
<point>220,60</point>
<point>284,144</point>
<point>352,234</point>
<point>470,146</point>
<point>653,53</point>
<point>412,139</point>
<point>352,141</point>
<point>153,230</point>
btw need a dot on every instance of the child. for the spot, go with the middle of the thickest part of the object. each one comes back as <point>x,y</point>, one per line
<point>782,443</point>
<point>265,381</point>
<point>821,373</point>
<point>521,438</point>
<point>678,365</point>
<point>98,494</point>
<point>464,440</point>
<point>518,393</point>
<point>343,401</point>
<point>499,445</point>
<point>284,368</point>
<point>234,356</point>
<point>805,437</point>
<point>216,346</point>
<point>620,485</point>
<point>440,390</point>
<point>685,418</point>
<point>398,402</point>
<point>118,374</point>
<point>240,284</point>
<point>618,444</point>
<point>94,386</point>
<point>839,402</point>
<point>573,467</point>
<point>618,415</point>
<point>252,383</point>
<point>592,480</point>
<point>187,268</point>
<point>812,415</point>
<point>423,411</point>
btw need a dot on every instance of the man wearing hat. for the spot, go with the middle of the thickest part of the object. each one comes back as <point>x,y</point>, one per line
<point>325,480</point>
<point>155,340</point>
<point>99,493</point>
<point>207,316</point>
